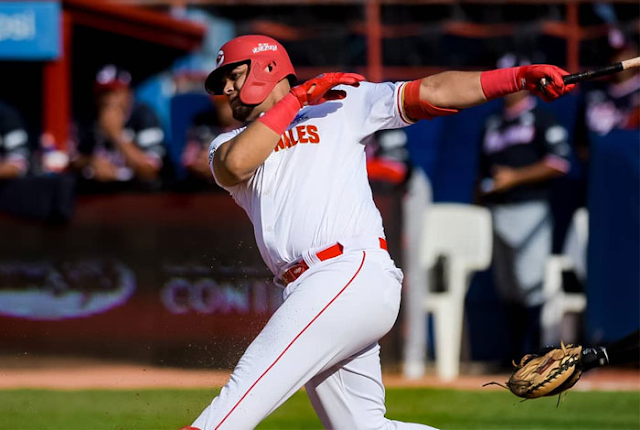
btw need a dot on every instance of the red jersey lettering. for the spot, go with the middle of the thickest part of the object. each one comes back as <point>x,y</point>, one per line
<point>313,134</point>
<point>299,134</point>
<point>294,142</point>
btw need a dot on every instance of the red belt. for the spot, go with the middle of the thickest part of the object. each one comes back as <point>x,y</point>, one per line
<point>298,269</point>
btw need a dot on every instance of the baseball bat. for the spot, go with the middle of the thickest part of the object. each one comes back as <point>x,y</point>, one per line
<point>596,73</point>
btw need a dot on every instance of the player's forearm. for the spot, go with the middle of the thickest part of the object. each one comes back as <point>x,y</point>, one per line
<point>459,90</point>
<point>452,90</point>
<point>9,170</point>
<point>538,172</point>
<point>235,161</point>
<point>144,167</point>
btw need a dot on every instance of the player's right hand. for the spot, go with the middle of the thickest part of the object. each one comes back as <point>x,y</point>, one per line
<point>318,90</point>
<point>529,78</point>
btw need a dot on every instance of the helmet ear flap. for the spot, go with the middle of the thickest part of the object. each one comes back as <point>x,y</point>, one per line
<point>257,84</point>
<point>262,77</point>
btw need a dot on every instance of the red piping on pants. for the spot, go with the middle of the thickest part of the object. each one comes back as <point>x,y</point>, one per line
<point>364,254</point>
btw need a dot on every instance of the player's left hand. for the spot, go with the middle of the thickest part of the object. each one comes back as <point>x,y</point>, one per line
<point>319,89</point>
<point>504,178</point>
<point>103,169</point>
<point>529,79</point>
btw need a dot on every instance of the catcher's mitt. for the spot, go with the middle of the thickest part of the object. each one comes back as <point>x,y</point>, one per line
<point>547,373</point>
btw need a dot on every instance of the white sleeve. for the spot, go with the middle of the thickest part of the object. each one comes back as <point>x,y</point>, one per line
<point>215,144</point>
<point>372,107</point>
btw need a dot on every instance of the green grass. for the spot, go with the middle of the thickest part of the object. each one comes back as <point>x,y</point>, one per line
<point>446,409</point>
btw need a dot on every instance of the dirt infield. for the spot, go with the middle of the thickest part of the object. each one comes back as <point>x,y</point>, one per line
<point>73,374</point>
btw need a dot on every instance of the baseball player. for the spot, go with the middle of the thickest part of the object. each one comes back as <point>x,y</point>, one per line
<point>298,169</point>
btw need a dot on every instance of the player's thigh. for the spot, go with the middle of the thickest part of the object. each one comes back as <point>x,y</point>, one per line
<point>355,301</point>
<point>337,310</point>
<point>350,395</point>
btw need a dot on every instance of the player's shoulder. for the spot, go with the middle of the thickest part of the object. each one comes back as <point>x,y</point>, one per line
<point>9,117</point>
<point>143,116</point>
<point>6,109</point>
<point>228,135</point>
<point>141,109</point>
<point>224,137</point>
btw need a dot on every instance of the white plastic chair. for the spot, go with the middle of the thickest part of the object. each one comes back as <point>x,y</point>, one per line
<point>557,301</point>
<point>463,234</point>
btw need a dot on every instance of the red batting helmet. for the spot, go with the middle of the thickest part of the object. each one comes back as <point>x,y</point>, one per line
<point>268,61</point>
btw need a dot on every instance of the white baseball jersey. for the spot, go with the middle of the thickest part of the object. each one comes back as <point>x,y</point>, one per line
<point>313,191</point>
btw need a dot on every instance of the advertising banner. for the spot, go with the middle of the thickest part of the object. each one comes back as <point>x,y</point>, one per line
<point>162,277</point>
<point>29,30</point>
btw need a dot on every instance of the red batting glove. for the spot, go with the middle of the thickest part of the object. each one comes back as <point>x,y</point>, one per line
<point>318,90</point>
<point>313,92</point>
<point>529,78</point>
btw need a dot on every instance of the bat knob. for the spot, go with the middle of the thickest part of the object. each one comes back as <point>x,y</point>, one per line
<point>542,85</point>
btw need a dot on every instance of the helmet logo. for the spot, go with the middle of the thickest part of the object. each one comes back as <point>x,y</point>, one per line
<point>264,47</point>
<point>220,58</point>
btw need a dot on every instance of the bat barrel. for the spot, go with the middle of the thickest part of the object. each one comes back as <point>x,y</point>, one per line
<point>592,74</point>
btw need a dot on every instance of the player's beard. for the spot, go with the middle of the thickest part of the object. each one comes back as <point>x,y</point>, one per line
<point>241,112</point>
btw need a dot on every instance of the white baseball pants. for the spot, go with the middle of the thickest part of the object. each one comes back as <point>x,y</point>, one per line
<point>324,337</point>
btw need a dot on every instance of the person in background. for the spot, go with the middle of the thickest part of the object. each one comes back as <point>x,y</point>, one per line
<point>124,145</point>
<point>14,144</point>
<point>523,149</point>
<point>388,158</point>
<point>614,103</point>
<point>609,104</point>
<point>206,126</point>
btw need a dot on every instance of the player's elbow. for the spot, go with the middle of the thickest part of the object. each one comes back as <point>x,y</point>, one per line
<point>237,173</point>
<point>432,91</point>
<point>231,170</point>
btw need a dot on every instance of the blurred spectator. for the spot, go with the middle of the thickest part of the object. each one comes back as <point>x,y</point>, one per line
<point>523,148</point>
<point>610,104</point>
<point>605,105</point>
<point>14,147</point>
<point>205,127</point>
<point>388,159</point>
<point>33,196</point>
<point>124,145</point>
